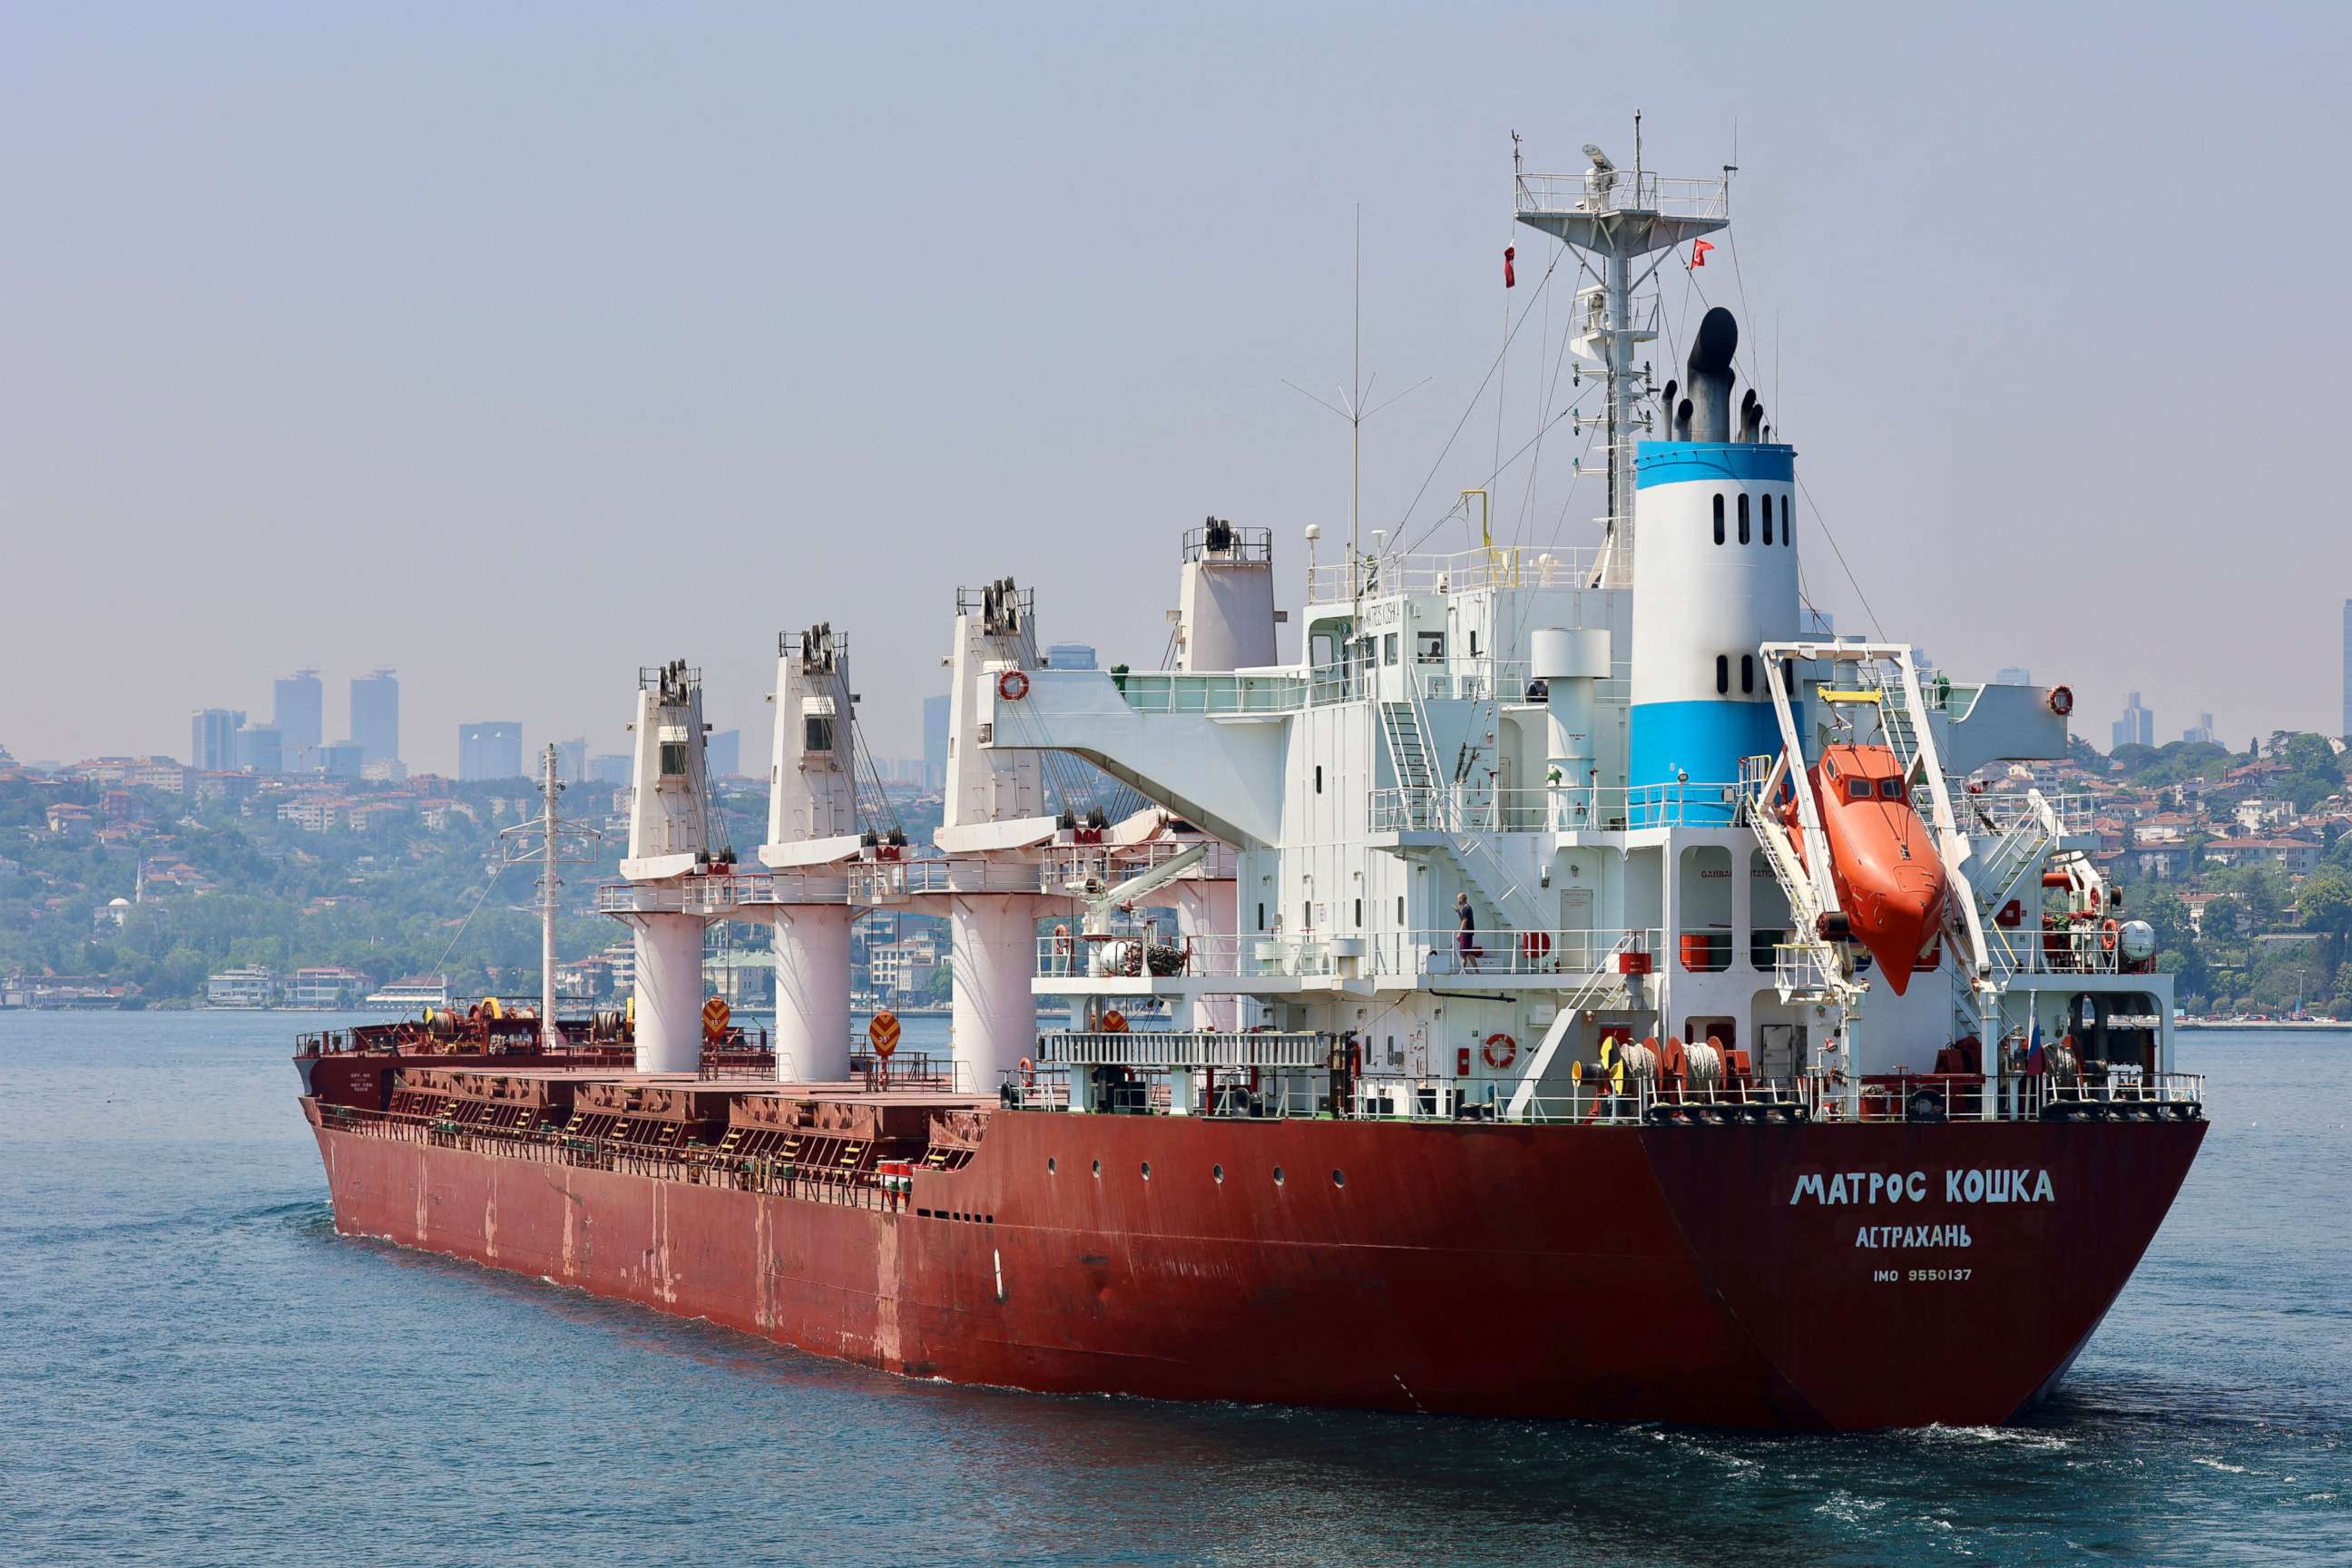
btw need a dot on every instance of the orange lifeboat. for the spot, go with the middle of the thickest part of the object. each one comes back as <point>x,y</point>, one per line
<point>1889,878</point>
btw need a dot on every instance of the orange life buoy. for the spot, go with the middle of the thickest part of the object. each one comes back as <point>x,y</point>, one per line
<point>1028,1072</point>
<point>1013,686</point>
<point>2109,929</point>
<point>1535,946</point>
<point>2061,700</point>
<point>1114,1022</point>
<point>1500,1050</point>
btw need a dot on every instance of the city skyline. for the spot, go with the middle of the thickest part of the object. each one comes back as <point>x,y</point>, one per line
<point>500,376</point>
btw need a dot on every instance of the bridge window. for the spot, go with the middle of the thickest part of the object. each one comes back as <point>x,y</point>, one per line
<point>1748,675</point>
<point>1767,519</point>
<point>1722,675</point>
<point>1719,516</point>
<point>1429,648</point>
<point>1388,648</point>
<point>673,759</point>
<point>1743,517</point>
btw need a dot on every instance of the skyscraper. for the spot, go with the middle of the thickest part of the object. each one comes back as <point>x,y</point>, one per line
<point>2346,731</point>
<point>571,759</point>
<point>211,740</point>
<point>2136,728</point>
<point>492,750</point>
<point>261,748</point>
<point>935,741</point>
<point>297,708</point>
<point>375,715</point>
<point>1071,655</point>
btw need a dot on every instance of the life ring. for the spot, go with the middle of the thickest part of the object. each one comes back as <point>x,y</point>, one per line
<point>2061,700</point>
<point>1013,686</point>
<point>1028,1073</point>
<point>1114,1022</point>
<point>2109,931</point>
<point>1535,946</point>
<point>1500,1050</point>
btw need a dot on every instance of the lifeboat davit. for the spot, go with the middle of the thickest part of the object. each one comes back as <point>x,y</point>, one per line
<point>1889,878</point>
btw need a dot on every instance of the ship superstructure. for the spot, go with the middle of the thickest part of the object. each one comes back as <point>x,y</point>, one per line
<point>1594,932</point>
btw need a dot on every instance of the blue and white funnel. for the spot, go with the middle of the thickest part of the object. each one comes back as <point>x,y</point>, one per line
<point>1715,573</point>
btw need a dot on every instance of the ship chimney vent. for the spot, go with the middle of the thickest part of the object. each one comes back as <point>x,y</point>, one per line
<point>1709,370</point>
<point>1751,417</point>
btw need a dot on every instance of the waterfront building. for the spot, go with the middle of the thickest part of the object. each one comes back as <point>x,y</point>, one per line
<point>490,749</point>
<point>375,714</point>
<point>248,986</point>
<point>211,739</point>
<point>326,985</point>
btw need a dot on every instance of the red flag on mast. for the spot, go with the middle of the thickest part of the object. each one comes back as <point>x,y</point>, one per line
<point>1510,277</point>
<point>1699,248</point>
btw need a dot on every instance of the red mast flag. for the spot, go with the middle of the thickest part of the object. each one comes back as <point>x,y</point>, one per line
<point>1510,277</point>
<point>1699,248</point>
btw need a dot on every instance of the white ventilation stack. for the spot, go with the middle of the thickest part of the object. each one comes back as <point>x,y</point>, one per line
<point>813,823</point>
<point>1224,613</point>
<point>669,839</point>
<point>987,788</point>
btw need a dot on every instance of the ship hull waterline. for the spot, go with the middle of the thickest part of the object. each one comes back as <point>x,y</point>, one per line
<point>1819,1277</point>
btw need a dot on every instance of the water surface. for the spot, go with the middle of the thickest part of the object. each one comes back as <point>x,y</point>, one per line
<point>196,1370</point>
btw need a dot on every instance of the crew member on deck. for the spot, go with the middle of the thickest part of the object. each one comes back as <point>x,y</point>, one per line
<point>1465,940</point>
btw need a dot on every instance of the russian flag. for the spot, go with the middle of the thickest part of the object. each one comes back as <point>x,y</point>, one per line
<point>2034,1049</point>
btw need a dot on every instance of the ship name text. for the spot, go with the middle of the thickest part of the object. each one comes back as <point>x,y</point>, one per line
<point>1997,1184</point>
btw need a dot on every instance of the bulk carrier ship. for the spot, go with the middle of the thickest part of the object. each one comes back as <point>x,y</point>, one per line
<point>1596,989</point>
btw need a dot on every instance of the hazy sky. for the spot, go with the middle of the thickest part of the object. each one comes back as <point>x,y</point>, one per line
<point>517,347</point>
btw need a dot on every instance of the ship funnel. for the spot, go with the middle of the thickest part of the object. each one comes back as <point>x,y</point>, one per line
<point>1710,375</point>
<point>1751,417</point>
<point>1682,420</point>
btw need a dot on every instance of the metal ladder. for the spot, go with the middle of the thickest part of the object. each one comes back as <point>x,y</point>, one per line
<point>1409,751</point>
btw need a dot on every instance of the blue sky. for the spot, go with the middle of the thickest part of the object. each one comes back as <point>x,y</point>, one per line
<point>520,346</point>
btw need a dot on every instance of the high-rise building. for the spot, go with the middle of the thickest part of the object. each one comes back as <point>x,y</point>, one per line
<point>342,760</point>
<point>723,753</point>
<point>261,748</point>
<point>2346,731</point>
<point>1071,655</point>
<point>2200,733</point>
<point>571,759</point>
<point>211,740</point>
<point>375,715</point>
<point>935,741</point>
<point>612,767</point>
<point>2012,675</point>
<point>298,706</point>
<point>2136,728</point>
<point>492,750</point>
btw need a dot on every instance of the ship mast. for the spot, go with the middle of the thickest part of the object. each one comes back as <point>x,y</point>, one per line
<point>1615,217</point>
<point>549,831</point>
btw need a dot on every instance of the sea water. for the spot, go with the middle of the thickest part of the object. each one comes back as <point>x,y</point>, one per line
<point>196,1370</point>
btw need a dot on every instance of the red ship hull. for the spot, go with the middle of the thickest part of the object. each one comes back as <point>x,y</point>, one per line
<point>1705,1275</point>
